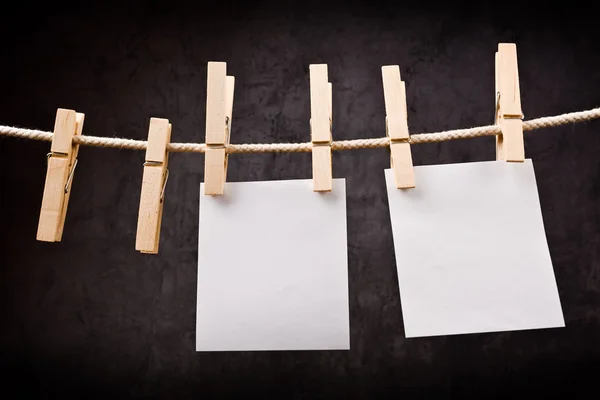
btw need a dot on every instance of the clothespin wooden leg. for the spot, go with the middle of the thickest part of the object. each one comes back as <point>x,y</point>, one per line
<point>509,116</point>
<point>320,127</point>
<point>396,122</point>
<point>62,161</point>
<point>153,186</point>
<point>79,118</point>
<point>219,110</point>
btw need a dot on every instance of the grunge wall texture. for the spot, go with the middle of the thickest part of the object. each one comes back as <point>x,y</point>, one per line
<point>92,317</point>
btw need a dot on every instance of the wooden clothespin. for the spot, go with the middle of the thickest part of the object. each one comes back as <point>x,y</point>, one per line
<point>219,109</point>
<point>509,144</point>
<point>320,127</point>
<point>396,123</point>
<point>154,182</point>
<point>62,161</point>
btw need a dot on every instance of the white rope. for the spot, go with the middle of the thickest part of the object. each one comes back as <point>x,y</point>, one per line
<point>490,130</point>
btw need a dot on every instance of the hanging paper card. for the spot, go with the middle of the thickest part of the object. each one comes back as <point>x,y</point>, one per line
<point>471,251</point>
<point>273,268</point>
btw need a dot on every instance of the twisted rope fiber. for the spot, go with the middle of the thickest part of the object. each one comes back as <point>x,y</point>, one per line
<point>132,144</point>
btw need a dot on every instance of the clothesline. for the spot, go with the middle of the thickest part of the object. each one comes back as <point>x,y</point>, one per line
<point>131,144</point>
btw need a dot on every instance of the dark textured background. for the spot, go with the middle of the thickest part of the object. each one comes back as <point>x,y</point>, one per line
<point>91,316</point>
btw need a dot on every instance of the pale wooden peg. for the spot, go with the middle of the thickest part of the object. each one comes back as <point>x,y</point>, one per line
<point>509,116</point>
<point>219,110</point>
<point>396,122</point>
<point>320,127</point>
<point>154,180</point>
<point>62,161</point>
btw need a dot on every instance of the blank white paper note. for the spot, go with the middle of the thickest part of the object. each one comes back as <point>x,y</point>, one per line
<point>471,251</point>
<point>273,268</point>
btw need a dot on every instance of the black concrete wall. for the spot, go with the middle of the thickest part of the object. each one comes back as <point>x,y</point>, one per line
<point>92,317</point>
